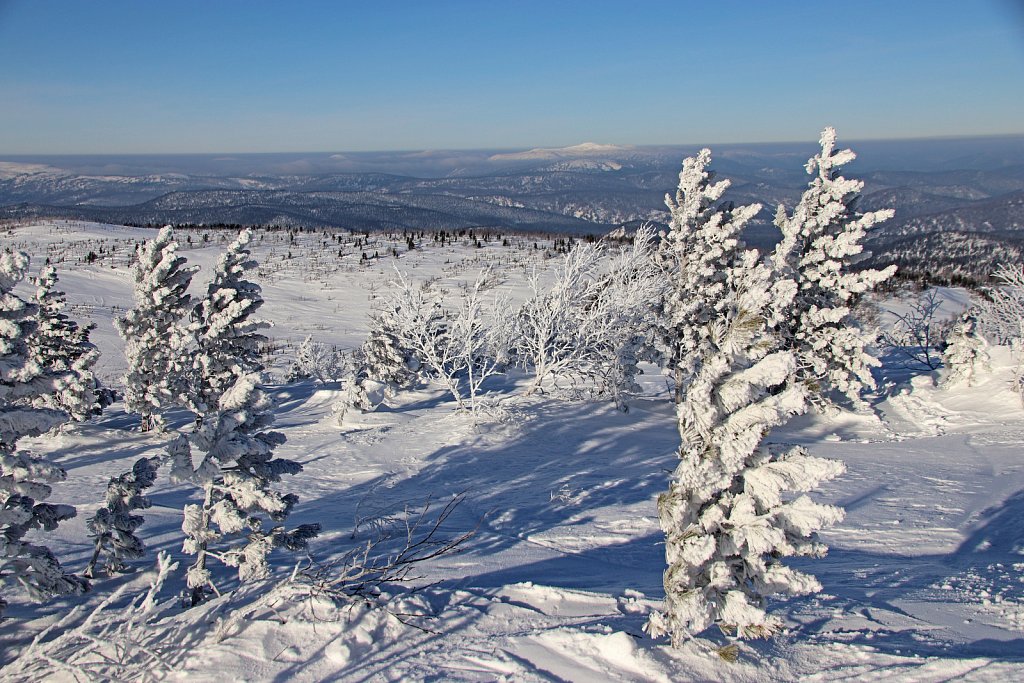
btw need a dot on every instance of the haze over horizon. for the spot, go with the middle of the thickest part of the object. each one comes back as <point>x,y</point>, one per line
<point>259,77</point>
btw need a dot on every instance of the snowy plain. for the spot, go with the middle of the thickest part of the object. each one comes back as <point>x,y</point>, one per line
<point>924,580</point>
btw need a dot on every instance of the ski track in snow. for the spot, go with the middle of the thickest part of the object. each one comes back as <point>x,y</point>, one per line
<point>923,581</point>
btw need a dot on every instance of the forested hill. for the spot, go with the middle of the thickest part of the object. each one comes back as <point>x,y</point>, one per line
<point>959,203</point>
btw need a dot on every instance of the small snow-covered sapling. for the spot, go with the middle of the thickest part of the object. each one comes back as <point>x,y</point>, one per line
<point>113,526</point>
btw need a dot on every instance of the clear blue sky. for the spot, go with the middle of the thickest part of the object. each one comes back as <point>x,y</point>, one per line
<point>249,76</point>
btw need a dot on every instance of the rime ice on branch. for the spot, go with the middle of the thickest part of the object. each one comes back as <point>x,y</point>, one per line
<point>153,332</point>
<point>227,338</point>
<point>821,239</point>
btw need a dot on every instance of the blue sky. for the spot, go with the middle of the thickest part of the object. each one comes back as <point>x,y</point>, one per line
<point>250,76</point>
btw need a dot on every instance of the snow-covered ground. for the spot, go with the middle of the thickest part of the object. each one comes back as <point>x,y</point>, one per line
<point>924,581</point>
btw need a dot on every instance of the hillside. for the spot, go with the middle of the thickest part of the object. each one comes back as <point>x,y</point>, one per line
<point>566,556</point>
<point>955,187</point>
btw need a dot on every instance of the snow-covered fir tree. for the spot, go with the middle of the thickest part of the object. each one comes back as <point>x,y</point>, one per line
<point>235,471</point>
<point>403,323</point>
<point>359,391</point>
<point>153,331</point>
<point>25,478</point>
<point>966,352</point>
<point>695,255</point>
<point>62,347</point>
<point>728,516</point>
<point>234,466</point>
<point>113,526</point>
<point>385,356</point>
<point>821,239</point>
<point>227,337</point>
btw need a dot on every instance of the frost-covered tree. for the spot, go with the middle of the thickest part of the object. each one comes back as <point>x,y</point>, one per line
<point>316,360</point>
<point>414,337</point>
<point>821,239</point>
<point>1001,312</point>
<point>472,345</point>
<point>966,352</point>
<point>236,471</point>
<point>550,340</point>
<point>153,331</point>
<point>696,255</point>
<point>62,347</point>
<point>624,318</point>
<point>113,526</point>
<point>384,357</point>
<point>25,478</point>
<point>729,516</point>
<point>407,316</point>
<point>360,392</point>
<point>589,321</point>
<point>406,319</point>
<point>386,362</point>
<point>236,468</point>
<point>226,334</point>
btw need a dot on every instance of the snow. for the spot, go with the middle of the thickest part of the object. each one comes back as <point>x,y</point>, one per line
<point>922,581</point>
<point>584,149</point>
<point>10,170</point>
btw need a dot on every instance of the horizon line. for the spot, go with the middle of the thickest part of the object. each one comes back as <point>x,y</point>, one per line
<point>924,138</point>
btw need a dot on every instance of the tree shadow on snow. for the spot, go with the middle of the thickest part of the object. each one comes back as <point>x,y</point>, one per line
<point>559,482</point>
<point>913,604</point>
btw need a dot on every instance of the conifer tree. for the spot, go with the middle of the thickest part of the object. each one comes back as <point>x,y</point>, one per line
<point>360,392</point>
<point>235,471</point>
<point>113,526</point>
<point>153,331</point>
<point>966,352</point>
<point>821,239</point>
<point>726,520</point>
<point>385,357</point>
<point>695,255</point>
<point>227,338</point>
<point>24,477</point>
<point>62,347</point>
<point>234,464</point>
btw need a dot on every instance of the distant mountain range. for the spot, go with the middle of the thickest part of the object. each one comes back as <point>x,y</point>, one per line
<point>969,190</point>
